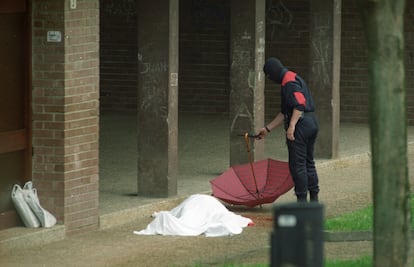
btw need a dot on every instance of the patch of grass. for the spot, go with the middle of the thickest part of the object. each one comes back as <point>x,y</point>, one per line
<point>359,220</point>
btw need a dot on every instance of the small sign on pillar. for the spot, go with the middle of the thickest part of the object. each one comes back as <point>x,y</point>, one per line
<point>54,36</point>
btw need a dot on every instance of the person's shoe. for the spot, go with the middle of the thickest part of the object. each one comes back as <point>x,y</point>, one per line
<point>314,197</point>
<point>301,198</point>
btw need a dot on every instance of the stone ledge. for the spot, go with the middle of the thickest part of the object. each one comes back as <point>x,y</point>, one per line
<point>22,237</point>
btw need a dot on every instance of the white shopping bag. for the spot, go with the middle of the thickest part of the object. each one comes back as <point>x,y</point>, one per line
<point>30,196</point>
<point>23,209</point>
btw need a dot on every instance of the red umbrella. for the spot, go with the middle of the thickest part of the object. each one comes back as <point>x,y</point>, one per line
<point>254,183</point>
<point>237,186</point>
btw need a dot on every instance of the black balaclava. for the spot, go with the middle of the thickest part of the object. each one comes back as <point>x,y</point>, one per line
<point>274,70</point>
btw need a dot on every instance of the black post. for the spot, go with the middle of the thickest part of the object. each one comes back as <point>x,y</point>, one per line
<point>297,240</point>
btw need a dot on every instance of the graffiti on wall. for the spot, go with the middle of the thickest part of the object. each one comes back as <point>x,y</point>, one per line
<point>277,16</point>
<point>321,45</point>
<point>154,98</point>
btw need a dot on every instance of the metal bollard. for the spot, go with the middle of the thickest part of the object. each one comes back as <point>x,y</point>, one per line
<point>297,239</point>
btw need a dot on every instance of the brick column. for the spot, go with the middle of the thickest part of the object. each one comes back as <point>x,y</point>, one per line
<point>324,78</point>
<point>247,44</point>
<point>157,97</point>
<point>66,110</point>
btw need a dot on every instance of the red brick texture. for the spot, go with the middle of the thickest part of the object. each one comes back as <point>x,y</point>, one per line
<point>66,111</point>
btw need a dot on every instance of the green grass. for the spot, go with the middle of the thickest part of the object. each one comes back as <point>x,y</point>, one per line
<point>359,220</point>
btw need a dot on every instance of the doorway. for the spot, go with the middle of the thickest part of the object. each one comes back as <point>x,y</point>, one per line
<point>15,133</point>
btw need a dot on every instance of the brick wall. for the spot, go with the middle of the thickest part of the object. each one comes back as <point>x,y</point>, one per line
<point>287,37</point>
<point>48,106</point>
<point>65,111</point>
<point>354,73</point>
<point>354,65</point>
<point>204,56</point>
<point>204,48</point>
<point>118,55</point>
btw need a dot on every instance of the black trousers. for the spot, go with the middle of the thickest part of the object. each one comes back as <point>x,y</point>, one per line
<point>301,157</point>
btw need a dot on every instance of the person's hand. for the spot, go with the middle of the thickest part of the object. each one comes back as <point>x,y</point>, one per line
<point>262,134</point>
<point>290,133</point>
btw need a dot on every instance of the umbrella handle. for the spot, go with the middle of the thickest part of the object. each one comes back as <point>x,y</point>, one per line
<point>247,140</point>
<point>250,135</point>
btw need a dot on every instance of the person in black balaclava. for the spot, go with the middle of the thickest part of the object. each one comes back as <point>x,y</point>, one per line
<point>297,114</point>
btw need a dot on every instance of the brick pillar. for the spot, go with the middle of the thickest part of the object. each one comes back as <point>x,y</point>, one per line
<point>325,40</point>
<point>157,97</point>
<point>247,44</point>
<point>66,110</point>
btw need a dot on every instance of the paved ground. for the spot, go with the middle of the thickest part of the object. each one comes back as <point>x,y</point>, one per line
<point>345,186</point>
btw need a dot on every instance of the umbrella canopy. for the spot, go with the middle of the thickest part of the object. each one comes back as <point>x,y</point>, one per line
<point>253,184</point>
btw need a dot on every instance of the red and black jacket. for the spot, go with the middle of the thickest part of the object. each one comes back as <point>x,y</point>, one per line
<point>295,94</point>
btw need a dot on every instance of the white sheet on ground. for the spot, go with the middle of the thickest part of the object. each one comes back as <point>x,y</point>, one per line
<point>198,214</point>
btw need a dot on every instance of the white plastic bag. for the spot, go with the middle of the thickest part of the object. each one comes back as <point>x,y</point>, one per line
<point>23,209</point>
<point>30,196</point>
<point>28,207</point>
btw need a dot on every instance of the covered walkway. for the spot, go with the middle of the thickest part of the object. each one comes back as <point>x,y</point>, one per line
<point>203,154</point>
